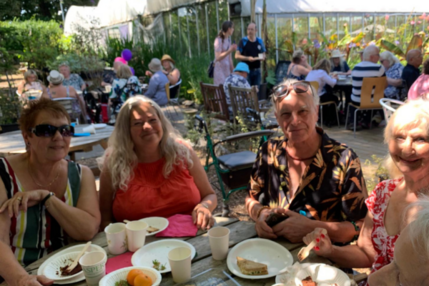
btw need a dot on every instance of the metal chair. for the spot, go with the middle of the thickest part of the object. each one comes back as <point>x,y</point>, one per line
<point>242,99</point>
<point>68,102</point>
<point>388,109</point>
<point>371,93</point>
<point>215,101</point>
<point>315,85</point>
<point>234,169</point>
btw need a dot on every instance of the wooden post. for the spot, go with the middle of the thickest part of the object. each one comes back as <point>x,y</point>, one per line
<point>264,36</point>
<point>252,10</point>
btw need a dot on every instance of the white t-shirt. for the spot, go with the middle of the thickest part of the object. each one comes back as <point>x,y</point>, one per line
<point>322,78</point>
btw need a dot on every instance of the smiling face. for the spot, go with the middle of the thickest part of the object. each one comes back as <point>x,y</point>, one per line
<point>297,116</point>
<point>65,71</point>
<point>146,127</point>
<point>49,148</point>
<point>31,78</point>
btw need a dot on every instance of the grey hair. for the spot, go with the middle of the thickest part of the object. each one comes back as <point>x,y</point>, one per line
<point>389,56</point>
<point>419,226</point>
<point>120,158</point>
<point>412,113</point>
<point>369,51</point>
<point>64,64</point>
<point>289,81</point>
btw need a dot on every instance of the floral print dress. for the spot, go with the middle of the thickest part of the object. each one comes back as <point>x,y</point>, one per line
<point>394,72</point>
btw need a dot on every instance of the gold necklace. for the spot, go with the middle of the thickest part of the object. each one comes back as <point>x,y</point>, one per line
<point>42,186</point>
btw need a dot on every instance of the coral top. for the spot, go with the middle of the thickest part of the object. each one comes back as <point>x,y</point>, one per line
<point>150,194</point>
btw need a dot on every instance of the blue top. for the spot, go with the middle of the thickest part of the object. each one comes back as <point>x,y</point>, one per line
<point>245,40</point>
<point>394,72</point>
<point>156,89</point>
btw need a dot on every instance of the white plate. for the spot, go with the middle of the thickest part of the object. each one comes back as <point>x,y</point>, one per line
<point>323,274</point>
<point>159,250</point>
<point>287,277</point>
<point>52,270</point>
<point>265,251</point>
<point>157,222</point>
<point>75,248</point>
<point>99,125</point>
<point>121,274</point>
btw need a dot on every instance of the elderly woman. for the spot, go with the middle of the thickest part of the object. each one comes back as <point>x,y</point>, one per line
<point>406,135</point>
<point>56,89</point>
<point>338,64</point>
<point>172,73</point>
<point>393,74</point>
<point>299,67</point>
<point>420,87</point>
<point>411,255</point>
<point>149,171</point>
<point>305,175</point>
<point>30,82</point>
<point>73,80</point>
<point>41,186</point>
<point>156,89</point>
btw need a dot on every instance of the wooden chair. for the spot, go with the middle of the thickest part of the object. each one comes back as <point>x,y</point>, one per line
<point>388,109</point>
<point>371,93</point>
<point>215,101</point>
<point>242,98</point>
<point>68,102</point>
<point>315,86</point>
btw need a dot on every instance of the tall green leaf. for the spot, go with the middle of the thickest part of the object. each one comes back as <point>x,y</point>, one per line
<point>392,48</point>
<point>415,43</point>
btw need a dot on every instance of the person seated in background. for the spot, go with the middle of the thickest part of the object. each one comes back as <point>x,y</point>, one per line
<point>117,95</point>
<point>305,175</point>
<point>299,68</point>
<point>408,162</point>
<point>393,70</point>
<point>156,88</point>
<point>421,86</point>
<point>338,64</point>
<point>237,79</point>
<point>56,89</point>
<point>411,71</point>
<point>172,73</point>
<point>45,200</point>
<point>73,80</point>
<point>110,76</point>
<point>411,255</point>
<point>320,74</point>
<point>148,170</point>
<point>30,82</point>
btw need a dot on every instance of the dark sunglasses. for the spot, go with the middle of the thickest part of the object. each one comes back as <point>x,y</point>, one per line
<point>46,130</point>
<point>283,90</point>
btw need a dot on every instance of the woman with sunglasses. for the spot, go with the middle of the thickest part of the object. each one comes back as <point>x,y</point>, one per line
<point>305,176</point>
<point>44,199</point>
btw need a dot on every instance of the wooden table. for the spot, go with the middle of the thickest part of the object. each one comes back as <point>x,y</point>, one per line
<point>13,143</point>
<point>239,231</point>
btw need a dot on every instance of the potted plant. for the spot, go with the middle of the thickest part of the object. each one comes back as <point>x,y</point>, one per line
<point>10,107</point>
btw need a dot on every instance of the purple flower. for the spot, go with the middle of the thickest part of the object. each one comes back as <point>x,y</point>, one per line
<point>316,43</point>
<point>92,1</point>
<point>61,26</point>
<point>352,45</point>
<point>396,42</point>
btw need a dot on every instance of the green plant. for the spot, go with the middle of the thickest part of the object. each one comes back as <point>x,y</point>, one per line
<point>381,173</point>
<point>10,107</point>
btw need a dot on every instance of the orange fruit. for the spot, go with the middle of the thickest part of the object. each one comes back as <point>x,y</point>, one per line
<point>142,280</point>
<point>132,275</point>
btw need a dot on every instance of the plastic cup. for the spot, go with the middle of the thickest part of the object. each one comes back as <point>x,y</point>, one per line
<point>116,238</point>
<point>180,264</point>
<point>94,267</point>
<point>90,129</point>
<point>136,234</point>
<point>219,242</point>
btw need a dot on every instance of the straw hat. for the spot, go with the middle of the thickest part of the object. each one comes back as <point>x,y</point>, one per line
<point>167,58</point>
<point>155,65</point>
<point>336,54</point>
<point>55,77</point>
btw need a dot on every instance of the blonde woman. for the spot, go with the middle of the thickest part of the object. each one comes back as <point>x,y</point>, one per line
<point>149,171</point>
<point>406,135</point>
<point>30,82</point>
<point>299,67</point>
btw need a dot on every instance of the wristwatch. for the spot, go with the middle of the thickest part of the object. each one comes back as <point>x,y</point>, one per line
<point>47,198</point>
<point>205,205</point>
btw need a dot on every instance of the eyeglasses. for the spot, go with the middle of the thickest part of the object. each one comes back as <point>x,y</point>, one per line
<point>284,89</point>
<point>47,130</point>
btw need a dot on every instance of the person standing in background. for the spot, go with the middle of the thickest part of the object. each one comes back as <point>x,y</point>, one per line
<point>223,49</point>
<point>251,50</point>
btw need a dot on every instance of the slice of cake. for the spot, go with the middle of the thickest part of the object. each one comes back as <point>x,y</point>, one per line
<point>248,267</point>
<point>308,282</point>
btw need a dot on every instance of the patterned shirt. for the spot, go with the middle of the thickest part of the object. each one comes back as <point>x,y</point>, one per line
<point>332,188</point>
<point>74,81</point>
<point>394,72</point>
<point>234,80</point>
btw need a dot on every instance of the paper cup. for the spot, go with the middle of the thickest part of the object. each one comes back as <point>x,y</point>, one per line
<point>108,88</point>
<point>94,267</point>
<point>116,238</point>
<point>180,264</point>
<point>261,56</point>
<point>219,242</point>
<point>90,129</point>
<point>136,234</point>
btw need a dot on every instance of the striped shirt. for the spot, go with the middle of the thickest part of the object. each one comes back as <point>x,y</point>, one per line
<point>36,233</point>
<point>359,72</point>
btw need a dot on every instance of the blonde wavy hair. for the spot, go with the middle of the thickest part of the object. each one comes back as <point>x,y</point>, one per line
<point>409,115</point>
<point>120,158</point>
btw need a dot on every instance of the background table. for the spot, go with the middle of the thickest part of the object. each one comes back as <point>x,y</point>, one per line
<point>239,231</point>
<point>13,143</point>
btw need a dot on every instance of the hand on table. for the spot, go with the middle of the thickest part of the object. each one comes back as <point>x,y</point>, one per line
<point>202,217</point>
<point>21,201</point>
<point>323,242</point>
<point>294,228</point>
<point>34,280</point>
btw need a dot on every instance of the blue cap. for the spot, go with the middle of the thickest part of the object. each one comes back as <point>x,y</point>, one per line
<point>242,67</point>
